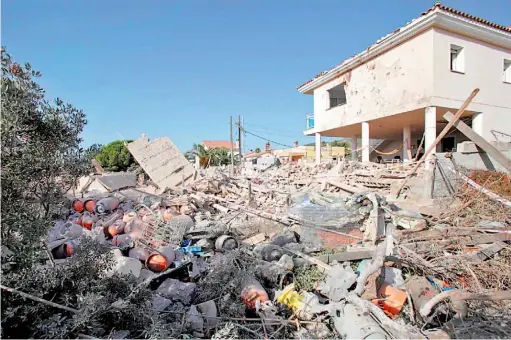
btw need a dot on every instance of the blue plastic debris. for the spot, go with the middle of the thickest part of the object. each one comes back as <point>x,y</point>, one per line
<point>196,250</point>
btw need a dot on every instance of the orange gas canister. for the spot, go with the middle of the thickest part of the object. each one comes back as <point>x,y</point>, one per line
<point>391,300</point>
<point>90,205</point>
<point>116,228</point>
<point>70,247</point>
<point>87,221</point>
<point>78,205</point>
<point>157,262</point>
<point>252,291</point>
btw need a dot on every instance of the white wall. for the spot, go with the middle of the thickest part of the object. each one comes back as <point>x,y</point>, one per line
<point>483,70</point>
<point>396,81</point>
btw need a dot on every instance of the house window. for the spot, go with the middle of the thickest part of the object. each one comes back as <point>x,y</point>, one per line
<point>507,71</point>
<point>457,59</point>
<point>337,95</point>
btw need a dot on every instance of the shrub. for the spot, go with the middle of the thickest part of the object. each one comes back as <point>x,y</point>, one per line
<point>115,156</point>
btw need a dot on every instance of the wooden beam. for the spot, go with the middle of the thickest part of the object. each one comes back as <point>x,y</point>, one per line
<point>480,141</point>
<point>438,139</point>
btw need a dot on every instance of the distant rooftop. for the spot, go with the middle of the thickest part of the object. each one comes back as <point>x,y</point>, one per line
<point>211,144</point>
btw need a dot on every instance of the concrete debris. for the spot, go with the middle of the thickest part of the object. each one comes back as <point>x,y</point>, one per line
<point>355,323</point>
<point>162,161</point>
<point>217,246</point>
<point>339,280</point>
<point>176,290</point>
<point>114,182</point>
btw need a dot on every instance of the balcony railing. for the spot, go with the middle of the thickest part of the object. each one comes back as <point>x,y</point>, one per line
<point>310,121</point>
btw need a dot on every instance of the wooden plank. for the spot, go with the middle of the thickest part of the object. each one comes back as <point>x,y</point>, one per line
<point>312,260</point>
<point>348,188</point>
<point>347,256</point>
<point>442,134</point>
<point>490,251</point>
<point>480,141</point>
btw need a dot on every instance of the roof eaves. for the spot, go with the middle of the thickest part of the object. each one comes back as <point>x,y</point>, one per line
<point>323,76</point>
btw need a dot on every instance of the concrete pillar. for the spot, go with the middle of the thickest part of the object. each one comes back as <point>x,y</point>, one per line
<point>430,133</point>
<point>354,147</point>
<point>477,123</point>
<point>407,141</point>
<point>318,148</point>
<point>365,142</point>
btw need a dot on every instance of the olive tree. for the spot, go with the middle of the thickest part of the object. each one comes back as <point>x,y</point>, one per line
<point>41,158</point>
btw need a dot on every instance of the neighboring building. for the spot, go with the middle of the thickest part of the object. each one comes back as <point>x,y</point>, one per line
<point>399,88</point>
<point>327,152</point>
<point>212,144</point>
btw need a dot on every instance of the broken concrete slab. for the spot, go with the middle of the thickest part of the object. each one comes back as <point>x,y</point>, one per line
<point>162,161</point>
<point>113,182</point>
<point>177,291</point>
<point>159,303</point>
<point>128,265</point>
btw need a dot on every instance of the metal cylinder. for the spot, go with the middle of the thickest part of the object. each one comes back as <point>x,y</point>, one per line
<point>139,253</point>
<point>116,228</point>
<point>226,242</point>
<point>122,241</point>
<point>78,205</point>
<point>90,205</point>
<point>70,230</point>
<point>107,205</point>
<point>252,291</point>
<point>157,262</point>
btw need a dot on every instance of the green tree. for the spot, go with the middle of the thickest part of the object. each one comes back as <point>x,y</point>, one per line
<point>257,150</point>
<point>341,143</point>
<point>41,159</point>
<point>212,157</point>
<point>115,156</point>
<point>41,155</point>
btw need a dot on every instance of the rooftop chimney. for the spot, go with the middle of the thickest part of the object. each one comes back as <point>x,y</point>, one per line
<point>296,144</point>
<point>267,147</point>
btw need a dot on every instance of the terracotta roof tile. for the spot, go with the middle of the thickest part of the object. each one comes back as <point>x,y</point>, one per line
<point>468,16</point>
<point>435,7</point>
<point>211,144</point>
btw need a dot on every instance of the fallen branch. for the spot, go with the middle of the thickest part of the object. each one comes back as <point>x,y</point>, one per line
<point>458,300</point>
<point>311,259</point>
<point>38,299</point>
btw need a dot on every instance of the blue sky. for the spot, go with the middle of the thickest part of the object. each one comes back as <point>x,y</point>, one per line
<point>181,68</point>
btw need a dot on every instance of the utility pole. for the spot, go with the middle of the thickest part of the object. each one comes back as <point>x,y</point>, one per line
<point>239,136</point>
<point>232,148</point>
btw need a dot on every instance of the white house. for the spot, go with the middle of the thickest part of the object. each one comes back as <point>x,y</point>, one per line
<point>399,88</point>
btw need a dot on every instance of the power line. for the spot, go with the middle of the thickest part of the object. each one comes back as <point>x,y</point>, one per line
<point>274,133</point>
<point>266,128</point>
<point>266,139</point>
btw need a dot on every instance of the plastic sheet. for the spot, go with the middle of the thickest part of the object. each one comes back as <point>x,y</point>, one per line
<point>318,208</point>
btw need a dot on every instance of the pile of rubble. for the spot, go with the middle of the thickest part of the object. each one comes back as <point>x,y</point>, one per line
<point>267,256</point>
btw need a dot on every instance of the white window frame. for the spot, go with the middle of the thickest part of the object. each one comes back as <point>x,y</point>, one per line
<point>506,72</point>
<point>330,106</point>
<point>457,58</point>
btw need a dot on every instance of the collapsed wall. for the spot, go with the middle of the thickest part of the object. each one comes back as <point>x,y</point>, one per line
<point>162,161</point>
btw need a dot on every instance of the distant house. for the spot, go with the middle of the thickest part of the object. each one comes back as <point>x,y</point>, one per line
<point>213,144</point>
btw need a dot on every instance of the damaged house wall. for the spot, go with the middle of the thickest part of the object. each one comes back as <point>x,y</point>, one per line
<point>482,69</point>
<point>397,81</point>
